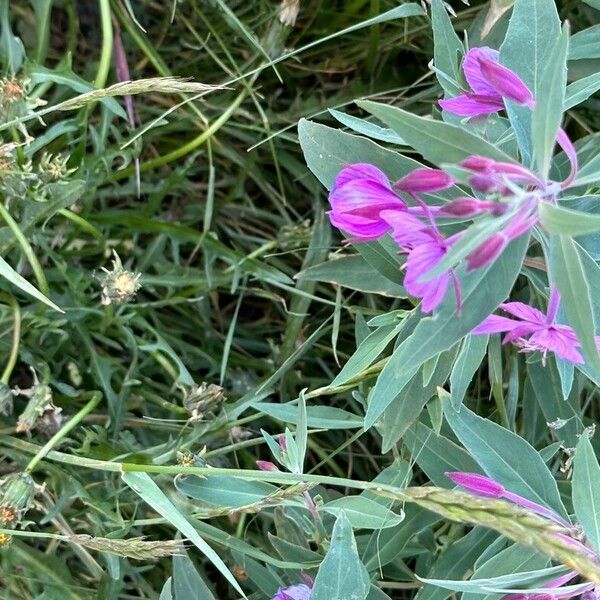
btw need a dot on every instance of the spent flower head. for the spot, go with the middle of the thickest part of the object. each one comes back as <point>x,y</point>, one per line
<point>118,285</point>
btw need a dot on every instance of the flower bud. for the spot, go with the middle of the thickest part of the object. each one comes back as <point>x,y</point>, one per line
<point>266,465</point>
<point>469,207</point>
<point>487,252</point>
<point>506,82</point>
<point>425,180</point>
<point>16,496</point>
<point>204,398</point>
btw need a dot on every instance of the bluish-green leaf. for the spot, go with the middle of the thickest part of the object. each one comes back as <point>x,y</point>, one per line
<point>567,271</point>
<point>582,89</point>
<point>586,490</point>
<point>530,39</point>
<point>142,484</point>
<point>341,576</point>
<point>558,219</point>
<point>436,141</point>
<point>12,51</point>
<point>585,44</point>
<point>187,582</point>
<point>495,449</point>
<point>467,362</point>
<point>447,50</point>
<point>363,513</point>
<point>367,128</point>
<point>549,103</point>
<point>482,291</point>
<point>319,417</point>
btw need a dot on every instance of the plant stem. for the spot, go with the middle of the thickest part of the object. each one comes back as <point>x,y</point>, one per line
<point>59,435</point>
<point>107,44</point>
<point>14,350</point>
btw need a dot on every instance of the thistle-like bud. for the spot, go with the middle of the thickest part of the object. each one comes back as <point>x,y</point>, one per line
<point>119,285</point>
<point>192,459</point>
<point>16,496</point>
<point>53,168</point>
<point>40,402</point>
<point>202,399</point>
<point>12,90</point>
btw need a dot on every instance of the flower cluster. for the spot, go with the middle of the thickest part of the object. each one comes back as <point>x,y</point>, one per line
<point>366,206</point>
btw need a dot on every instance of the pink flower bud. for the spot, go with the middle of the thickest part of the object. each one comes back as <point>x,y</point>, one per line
<point>478,484</point>
<point>478,164</point>
<point>487,252</point>
<point>506,82</point>
<point>425,180</point>
<point>266,465</point>
<point>282,441</point>
<point>469,207</point>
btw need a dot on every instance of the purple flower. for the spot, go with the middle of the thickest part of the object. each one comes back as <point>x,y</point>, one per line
<point>490,84</point>
<point>553,592</point>
<point>533,330</point>
<point>361,191</point>
<point>486,486</point>
<point>293,592</point>
<point>426,248</point>
<point>266,465</point>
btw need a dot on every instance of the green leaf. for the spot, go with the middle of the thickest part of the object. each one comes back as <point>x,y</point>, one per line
<point>504,583</point>
<point>406,406</point>
<point>447,50</point>
<point>17,280</point>
<point>586,483</point>
<point>469,358</point>
<point>593,3</point>
<point>12,51</point>
<point>456,561</point>
<point>187,582</point>
<point>368,351</point>
<point>363,513</point>
<point>167,590</point>
<point>224,491</point>
<point>549,103</point>
<point>319,417</point>
<point>482,291</point>
<point>558,219</point>
<point>341,576</point>
<point>495,449</point>
<point>367,128</point>
<point>567,271</point>
<point>585,44</point>
<point>436,454</point>
<point>581,90</point>
<point>531,37</point>
<point>355,273</point>
<point>142,484</point>
<point>436,141</point>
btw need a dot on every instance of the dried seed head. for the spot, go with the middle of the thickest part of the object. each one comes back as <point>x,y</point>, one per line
<point>201,399</point>
<point>288,12</point>
<point>136,548</point>
<point>12,90</point>
<point>119,285</point>
<point>16,496</point>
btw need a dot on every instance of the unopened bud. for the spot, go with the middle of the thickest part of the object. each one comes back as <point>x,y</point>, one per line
<point>469,207</point>
<point>487,252</point>
<point>478,484</point>
<point>266,465</point>
<point>16,496</point>
<point>424,181</point>
<point>506,82</point>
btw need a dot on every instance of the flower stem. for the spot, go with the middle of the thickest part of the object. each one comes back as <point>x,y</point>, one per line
<point>14,350</point>
<point>59,435</point>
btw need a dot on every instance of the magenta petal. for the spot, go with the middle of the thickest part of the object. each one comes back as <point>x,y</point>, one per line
<point>472,105</point>
<point>524,312</point>
<point>421,260</point>
<point>293,592</point>
<point>478,484</point>
<point>495,324</point>
<point>358,228</point>
<point>472,70</point>
<point>567,146</point>
<point>559,339</point>
<point>407,230</point>
<point>364,197</point>
<point>361,171</point>
<point>506,82</point>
